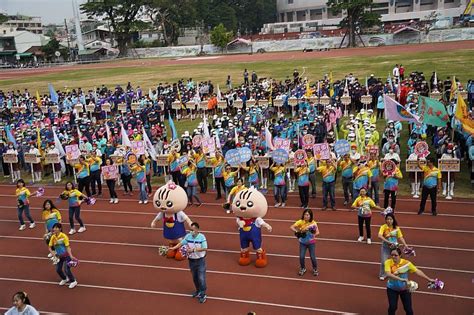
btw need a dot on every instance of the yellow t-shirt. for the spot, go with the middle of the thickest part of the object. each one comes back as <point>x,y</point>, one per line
<point>400,270</point>
<point>311,227</point>
<point>364,205</point>
<point>60,243</point>
<point>391,234</point>
<point>22,195</point>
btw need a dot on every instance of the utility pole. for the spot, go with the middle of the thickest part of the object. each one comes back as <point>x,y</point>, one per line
<point>68,43</point>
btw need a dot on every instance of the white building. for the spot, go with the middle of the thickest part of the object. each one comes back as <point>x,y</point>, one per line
<point>307,15</point>
<point>27,23</point>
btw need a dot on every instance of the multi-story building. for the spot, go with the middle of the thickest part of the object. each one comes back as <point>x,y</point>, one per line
<point>25,23</point>
<point>308,15</point>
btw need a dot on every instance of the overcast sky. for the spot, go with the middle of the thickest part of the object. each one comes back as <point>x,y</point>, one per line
<point>50,11</point>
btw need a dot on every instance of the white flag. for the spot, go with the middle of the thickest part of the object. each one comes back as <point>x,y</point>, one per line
<point>148,145</point>
<point>58,144</point>
<point>125,139</point>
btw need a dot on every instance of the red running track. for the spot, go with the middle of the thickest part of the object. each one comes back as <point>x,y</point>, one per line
<point>121,271</point>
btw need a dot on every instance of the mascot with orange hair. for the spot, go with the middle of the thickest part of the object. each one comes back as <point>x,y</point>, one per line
<point>250,206</point>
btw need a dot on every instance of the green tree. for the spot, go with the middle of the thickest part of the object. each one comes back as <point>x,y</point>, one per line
<point>3,18</point>
<point>220,37</point>
<point>122,15</point>
<point>52,47</point>
<point>358,13</point>
<point>170,16</point>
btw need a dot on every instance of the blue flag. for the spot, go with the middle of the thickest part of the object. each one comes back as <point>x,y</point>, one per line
<point>173,128</point>
<point>10,137</point>
<point>53,94</point>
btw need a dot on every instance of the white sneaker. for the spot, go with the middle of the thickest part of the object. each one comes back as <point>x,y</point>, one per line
<point>32,225</point>
<point>360,239</point>
<point>63,282</point>
<point>369,241</point>
<point>72,231</point>
<point>72,285</point>
<point>277,205</point>
<point>22,227</point>
<point>381,278</point>
<point>145,202</point>
<point>111,200</point>
<point>50,255</point>
<point>283,204</point>
<point>140,202</point>
<point>82,229</point>
<point>116,200</point>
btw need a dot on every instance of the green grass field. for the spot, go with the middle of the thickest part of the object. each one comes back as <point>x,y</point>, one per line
<point>458,63</point>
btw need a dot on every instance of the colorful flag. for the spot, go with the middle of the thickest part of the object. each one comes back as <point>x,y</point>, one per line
<point>148,145</point>
<point>58,144</point>
<point>331,85</point>
<point>432,112</point>
<point>454,88</point>
<point>54,96</point>
<point>462,115</point>
<point>308,89</point>
<point>395,111</point>
<point>125,139</point>
<point>10,136</point>
<point>174,133</point>
<point>38,98</point>
<point>109,134</point>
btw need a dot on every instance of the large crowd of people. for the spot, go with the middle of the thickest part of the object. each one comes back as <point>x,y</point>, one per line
<point>134,131</point>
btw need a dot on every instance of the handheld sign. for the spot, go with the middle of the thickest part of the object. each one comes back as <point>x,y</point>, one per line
<point>122,107</point>
<point>31,158</point>
<point>176,105</point>
<point>233,157</point>
<point>51,158</point>
<point>222,104</point>
<point>412,165</point>
<point>280,156</point>
<point>90,108</point>
<point>135,106</point>
<point>449,165</point>
<point>208,145</point>
<point>292,101</point>
<point>422,149</point>
<point>197,140</point>
<point>131,159</point>
<point>110,172</point>
<point>342,147</point>
<point>278,102</point>
<point>162,160</point>
<point>72,152</point>
<point>263,161</point>
<point>10,158</point>
<point>106,107</point>
<point>300,157</point>
<point>308,141</point>
<point>138,147</point>
<point>238,104</point>
<point>388,167</point>
<point>245,154</point>
<point>321,151</point>
<point>175,145</point>
<point>373,149</point>
<point>281,143</point>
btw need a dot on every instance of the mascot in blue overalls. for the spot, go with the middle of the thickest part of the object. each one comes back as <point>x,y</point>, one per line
<point>171,200</point>
<point>250,206</point>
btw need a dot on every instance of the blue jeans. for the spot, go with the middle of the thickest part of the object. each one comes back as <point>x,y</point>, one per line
<point>192,191</point>
<point>355,193</point>
<point>198,270</point>
<point>374,192</point>
<point>329,188</point>
<point>142,188</point>
<point>279,192</point>
<point>62,266</point>
<point>26,209</point>
<point>75,212</point>
<point>311,248</point>
<point>384,254</point>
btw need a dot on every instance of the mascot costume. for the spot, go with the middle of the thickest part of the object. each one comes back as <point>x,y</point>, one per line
<point>250,206</point>
<point>171,200</point>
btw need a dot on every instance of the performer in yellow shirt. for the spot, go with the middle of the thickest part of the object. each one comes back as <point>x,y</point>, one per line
<point>364,205</point>
<point>431,185</point>
<point>328,170</point>
<point>60,242</point>
<point>397,270</point>
<point>23,204</point>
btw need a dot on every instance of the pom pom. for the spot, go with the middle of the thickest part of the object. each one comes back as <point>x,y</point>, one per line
<point>184,250</point>
<point>437,285</point>
<point>412,286</point>
<point>162,250</point>
<point>73,263</point>
<point>409,251</point>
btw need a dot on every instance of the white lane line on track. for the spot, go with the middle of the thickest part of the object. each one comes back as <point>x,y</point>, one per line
<point>303,308</point>
<point>41,312</point>
<point>289,207</point>
<point>240,274</point>
<point>266,219</point>
<point>265,235</point>
<point>235,252</point>
<point>294,194</point>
